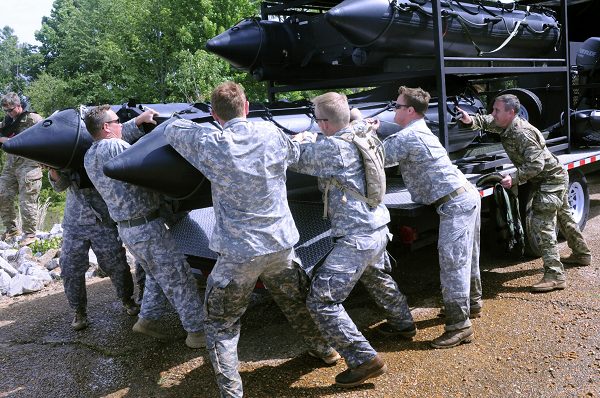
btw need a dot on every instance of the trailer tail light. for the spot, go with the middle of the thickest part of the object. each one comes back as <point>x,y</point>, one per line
<point>408,235</point>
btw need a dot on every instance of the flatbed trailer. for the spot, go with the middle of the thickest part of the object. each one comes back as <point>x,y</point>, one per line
<point>538,83</point>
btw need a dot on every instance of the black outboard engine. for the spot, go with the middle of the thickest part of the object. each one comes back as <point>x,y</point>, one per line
<point>586,118</point>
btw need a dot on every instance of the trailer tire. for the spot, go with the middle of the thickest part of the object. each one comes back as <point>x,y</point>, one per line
<point>531,105</point>
<point>579,197</point>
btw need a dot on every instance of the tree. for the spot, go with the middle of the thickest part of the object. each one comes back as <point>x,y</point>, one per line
<point>19,63</point>
<point>49,93</point>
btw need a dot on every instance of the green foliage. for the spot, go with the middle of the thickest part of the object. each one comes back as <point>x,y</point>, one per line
<point>18,62</point>
<point>57,199</point>
<point>43,245</point>
<point>49,93</point>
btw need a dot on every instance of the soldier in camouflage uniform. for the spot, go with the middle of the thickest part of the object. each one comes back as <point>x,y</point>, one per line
<point>360,234</point>
<point>136,210</point>
<point>526,148</point>
<point>432,179</point>
<point>20,176</point>
<point>254,232</point>
<point>87,224</point>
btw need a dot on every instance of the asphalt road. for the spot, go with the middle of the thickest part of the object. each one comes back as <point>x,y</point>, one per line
<point>526,345</point>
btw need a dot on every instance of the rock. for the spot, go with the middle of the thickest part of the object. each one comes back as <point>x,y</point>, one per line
<point>24,254</point>
<point>8,254</point>
<point>46,257</point>
<point>24,265</point>
<point>55,274</point>
<point>40,273</point>
<point>24,284</point>
<point>8,268</point>
<point>56,229</point>
<point>52,264</point>
<point>43,235</point>
<point>4,245</point>
<point>4,282</point>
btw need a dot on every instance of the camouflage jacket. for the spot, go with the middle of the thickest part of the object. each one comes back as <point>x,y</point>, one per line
<point>12,129</point>
<point>84,206</point>
<point>334,157</point>
<point>526,148</point>
<point>424,164</point>
<point>246,163</point>
<point>125,201</point>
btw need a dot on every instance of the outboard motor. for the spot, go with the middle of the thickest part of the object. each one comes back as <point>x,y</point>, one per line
<point>586,119</point>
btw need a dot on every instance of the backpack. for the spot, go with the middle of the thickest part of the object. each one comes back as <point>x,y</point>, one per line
<point>371,149</point>
<point>507,217</point>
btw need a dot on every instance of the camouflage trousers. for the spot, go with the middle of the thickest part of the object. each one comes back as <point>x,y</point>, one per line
<point>355,257</point>
<point>104,240</point>
<point>458,248</point>
<point>169,279</point>
<point>548,206</point>
<point>23,178</point>
<point>228,291</point>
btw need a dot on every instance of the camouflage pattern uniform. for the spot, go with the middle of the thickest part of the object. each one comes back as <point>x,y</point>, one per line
<point>429,176</point>
<point>526,148</point>
<point>360,234</point>
<point>254,233</point>
<point>86,223</point>
<point>23,177</point>
<point>168,275</point>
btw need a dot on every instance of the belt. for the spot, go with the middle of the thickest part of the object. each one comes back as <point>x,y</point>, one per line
<point>134,222</point>
<point>451,195</point>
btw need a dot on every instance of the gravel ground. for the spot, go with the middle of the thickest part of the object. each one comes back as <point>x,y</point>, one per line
<point>544,345</point>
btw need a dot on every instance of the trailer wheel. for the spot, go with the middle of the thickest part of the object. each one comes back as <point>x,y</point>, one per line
<point>579,197</point>
<point>531,106</point>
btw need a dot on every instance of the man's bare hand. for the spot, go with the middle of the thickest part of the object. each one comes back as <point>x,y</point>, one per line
<point>306,136</point>
<point>506,182</point>
<point>146,117</point>
<point>464,116</point>
<point>373,122</point>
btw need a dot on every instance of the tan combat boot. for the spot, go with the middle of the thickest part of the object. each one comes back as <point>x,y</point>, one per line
<point>80,321</point>
<point>195,340</point>
<point>577,259</point>
<point>354,377</point>
<point>149,328</point>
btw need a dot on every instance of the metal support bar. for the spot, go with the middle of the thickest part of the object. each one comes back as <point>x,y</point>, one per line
<point>438,40</point>
<point>565,41</point>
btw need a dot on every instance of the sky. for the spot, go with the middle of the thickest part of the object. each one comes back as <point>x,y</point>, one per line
<point>24,16</point>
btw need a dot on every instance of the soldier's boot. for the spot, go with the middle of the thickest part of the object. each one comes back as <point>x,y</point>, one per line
<point>548,284</point>
<point>354,377</point>
<point>453,338</point>
<point>149,328</point>
<point>386,329</point>
<point>80,321</point>
<point>577,259</point>
<point>195,340</point>
<point>475,311</point>
<point>130,306</point>
<point>330,358</point>
<point>28,239</point>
